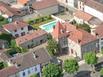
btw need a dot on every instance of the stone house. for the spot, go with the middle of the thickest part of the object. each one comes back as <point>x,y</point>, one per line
<point>98,32</point>
<point>93,7</point>
<point>77,41</point>
<point>16,28</point>
<point>26,64</point>
<point>10,13</point>
<point>32,39</point>
<point>45,7</point>
<point>82,17</point>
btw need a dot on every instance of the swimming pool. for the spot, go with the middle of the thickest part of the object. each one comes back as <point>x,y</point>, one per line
<point>48,27</point>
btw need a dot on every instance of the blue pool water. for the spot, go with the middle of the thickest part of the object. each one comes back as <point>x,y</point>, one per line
<point>48,27</point>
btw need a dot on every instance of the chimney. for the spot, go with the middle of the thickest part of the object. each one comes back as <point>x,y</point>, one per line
<point>34,55</point>
<point>79,40</point>
<point>16,22</point>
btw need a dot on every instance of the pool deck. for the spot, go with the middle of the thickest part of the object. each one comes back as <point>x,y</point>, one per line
<point>42,26</point>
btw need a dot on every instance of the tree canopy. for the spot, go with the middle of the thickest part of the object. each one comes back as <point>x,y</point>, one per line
<point>52,70</point>
<point>71,66</point>
<point>90,58</point>
<point>3,21</point>
<point>52,47</point>
<point>34,75</point>
<point>101,72</point>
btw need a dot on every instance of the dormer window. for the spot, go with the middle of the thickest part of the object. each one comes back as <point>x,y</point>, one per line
<point>22,28</point>
<point>66,1</point>
<point>79,41</point>
<point>96,34</point>
<point>62,31</point>
<point>15,30</point>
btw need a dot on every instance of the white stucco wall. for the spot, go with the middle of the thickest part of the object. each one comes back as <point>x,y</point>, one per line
<point>79,21</point>
<point>76,47</point>
<point>19,31</point>
<point>71,3</point>
<point>93,12</point>
<point>68,3</point>
<point>32,71</point>
<point>80,5</point>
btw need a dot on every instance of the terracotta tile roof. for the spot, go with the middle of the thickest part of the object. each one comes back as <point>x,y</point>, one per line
<point>5,8</point>
<point>8,71</point>
<point>22,1</point>
<point>15,25</point>
<point>31,36</point>
<point>99,30</point>
<point>61,29</point>
<point>32,58</point>
<point>94,4</point>
<point>73,33</point>
<point>44,4</point>
<point>26,60</point>
<point>81,37</point>
<point>83,15</point>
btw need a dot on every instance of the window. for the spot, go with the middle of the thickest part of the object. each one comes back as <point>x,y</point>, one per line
<point>16,35</point>
<point>23,33</point>
<point>66,1</point>
<point>35,68</point>
<point>15,30</point>
<point>101,38</point>
<point>23,74</point>
<point>22,28</point>
<point>71,51</point>
<point>28,71</point>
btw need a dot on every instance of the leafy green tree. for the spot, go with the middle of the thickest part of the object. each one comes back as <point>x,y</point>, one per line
<point>1,18</point>
<point>34,75</point>
<point>13,44</point>
<point>49,36</point>
<point>52,70</point>
<point>2,65</point>
<point>71,66</point>
<point>90,58</point>
<point>52,47</point>
<point>101,72</point>
<point>3,21</point>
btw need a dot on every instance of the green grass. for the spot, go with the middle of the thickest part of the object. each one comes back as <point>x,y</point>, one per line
<point>36,26</point>
<point>40,21</point>
<point>83,26</point>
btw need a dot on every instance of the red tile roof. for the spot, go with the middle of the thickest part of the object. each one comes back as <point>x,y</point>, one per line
<point>31,36</point>
<point>73,33</point>
<point>82,37</point>
<point>8,71</point>
<point>22,1</point>
<point>94,4</point>
<point>15,25</point>
<point>83,15</point>
<point>5,8</point>
<point>99,31</point>
<point>57,31</point>
<point>44,4</point>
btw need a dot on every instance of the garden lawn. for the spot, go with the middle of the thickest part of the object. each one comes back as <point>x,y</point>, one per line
<point>36,26</point>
